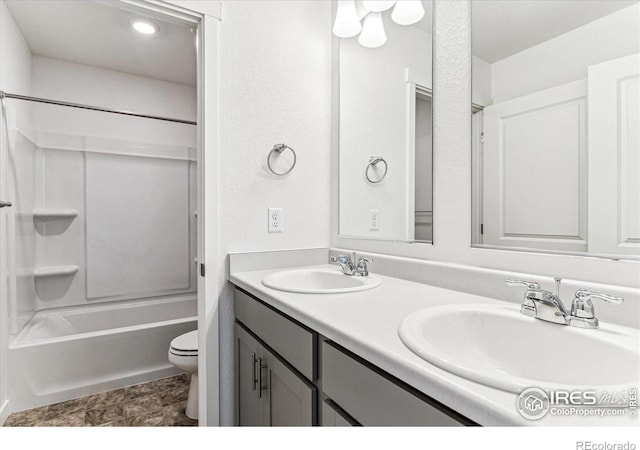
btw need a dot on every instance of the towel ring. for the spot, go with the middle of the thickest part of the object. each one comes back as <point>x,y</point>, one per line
<point>372,162</point>
<point>279,148</point>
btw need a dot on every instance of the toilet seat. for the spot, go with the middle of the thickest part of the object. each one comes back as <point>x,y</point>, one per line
<point>185,344</point>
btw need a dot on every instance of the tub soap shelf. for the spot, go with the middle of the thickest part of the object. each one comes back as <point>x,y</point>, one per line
<point>55,271</point>
<point>51,214</point>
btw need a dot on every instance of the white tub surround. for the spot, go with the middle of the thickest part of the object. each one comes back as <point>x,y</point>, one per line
<point>366,323</point>
<point>66,353</point>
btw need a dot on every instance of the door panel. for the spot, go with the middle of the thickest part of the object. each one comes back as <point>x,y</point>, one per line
<point>535,166</point>
<point>248,410</point>
<point>614,156</point>
<point>289,398</point>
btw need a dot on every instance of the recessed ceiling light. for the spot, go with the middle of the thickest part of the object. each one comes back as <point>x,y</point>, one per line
<point>144,26</point>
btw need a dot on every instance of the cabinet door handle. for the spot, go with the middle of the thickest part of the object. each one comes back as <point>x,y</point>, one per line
<point>260,386</point>
<point>254,360</point>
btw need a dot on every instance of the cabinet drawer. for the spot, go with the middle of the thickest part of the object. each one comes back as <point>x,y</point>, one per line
<point>290,340</point>
<point>331,417</point>
<point>371,398</point>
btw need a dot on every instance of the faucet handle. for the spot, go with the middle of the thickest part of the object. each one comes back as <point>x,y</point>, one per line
<point>582,310</point>
<point>584,295</point>
<point>531,285</point>
<point>345,259</point>
<point>528,307</point>
<point>362,259</point>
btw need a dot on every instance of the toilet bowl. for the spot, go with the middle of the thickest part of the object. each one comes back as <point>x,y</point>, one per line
<point>183,353</point>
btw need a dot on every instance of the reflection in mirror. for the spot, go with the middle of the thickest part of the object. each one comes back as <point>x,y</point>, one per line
<point>385,120</point>
<point>556,146</point>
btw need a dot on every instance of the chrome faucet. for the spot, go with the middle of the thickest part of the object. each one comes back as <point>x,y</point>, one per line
<point>547,306</point>
<point>582,311</point>
<point>350,267</point>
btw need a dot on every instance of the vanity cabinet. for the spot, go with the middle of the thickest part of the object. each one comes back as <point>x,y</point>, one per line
<point>274,364</point>
<point>287,374</point>
<point>357,392</point>
<point>269,393</point>
<point>334,416</point>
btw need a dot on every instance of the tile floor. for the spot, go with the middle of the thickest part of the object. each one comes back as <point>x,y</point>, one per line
<point>157,403</point>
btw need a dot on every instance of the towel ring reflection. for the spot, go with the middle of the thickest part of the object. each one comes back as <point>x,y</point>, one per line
<point>279,148</point>
<point>374,160</point>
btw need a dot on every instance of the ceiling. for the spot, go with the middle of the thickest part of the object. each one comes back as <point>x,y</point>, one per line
<point>99,34</point>
<point>501,28</point>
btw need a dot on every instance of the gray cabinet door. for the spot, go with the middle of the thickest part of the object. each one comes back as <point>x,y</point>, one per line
<point>289,398</point>
<point>268,393</point>
<point>249,411</point>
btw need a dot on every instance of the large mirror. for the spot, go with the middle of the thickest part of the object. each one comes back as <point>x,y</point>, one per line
<point>385,119</point>
<point>556,145</point>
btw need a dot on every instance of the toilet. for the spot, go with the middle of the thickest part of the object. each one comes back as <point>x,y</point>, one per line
<point>183,353</point>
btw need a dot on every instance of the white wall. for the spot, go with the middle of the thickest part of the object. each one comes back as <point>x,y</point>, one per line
<point>15,77</point>
<point>481,77</point>
<point>452,181</point>
<point>566,57</point>
<point>275,86</point>
<point>15,65</point>
<point>78,83</point>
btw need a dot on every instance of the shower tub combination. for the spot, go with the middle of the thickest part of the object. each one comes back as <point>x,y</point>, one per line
<point>66,353</point>
<point>101,285</point>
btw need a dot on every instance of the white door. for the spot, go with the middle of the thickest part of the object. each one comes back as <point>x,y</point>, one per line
<point>534,173</point>
<point>614,157</point>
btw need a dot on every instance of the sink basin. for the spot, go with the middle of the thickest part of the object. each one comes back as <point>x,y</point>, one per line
<point>497,346</point>
<point>319,281</point>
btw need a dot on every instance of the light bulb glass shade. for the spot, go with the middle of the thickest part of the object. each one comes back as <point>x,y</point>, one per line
<point>373,34</point>
<point>407,12</point>
<point>377,5</point>
<point>361,11</point>
<point>347,23</point>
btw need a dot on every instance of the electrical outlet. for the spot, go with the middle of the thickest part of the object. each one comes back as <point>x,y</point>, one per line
<point>275,220</point>
<point>374,220</point>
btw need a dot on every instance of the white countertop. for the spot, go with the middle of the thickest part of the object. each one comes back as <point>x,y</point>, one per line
<point>366,323</point>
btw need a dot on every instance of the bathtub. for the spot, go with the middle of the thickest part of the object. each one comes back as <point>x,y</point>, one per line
<point>66,353</point>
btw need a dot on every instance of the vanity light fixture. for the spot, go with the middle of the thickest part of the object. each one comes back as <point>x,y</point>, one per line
<point>372,34</point>
<point>347,22</point>
<point>407,12</point>
<point>350,13</point>
<point>378,5</point>
<point>144,26</point>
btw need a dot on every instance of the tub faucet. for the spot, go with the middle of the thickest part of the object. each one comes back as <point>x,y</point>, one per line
<point>350,267</point>
<point>547,306</point>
